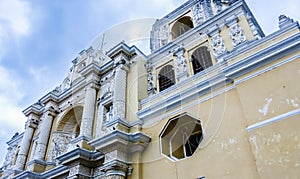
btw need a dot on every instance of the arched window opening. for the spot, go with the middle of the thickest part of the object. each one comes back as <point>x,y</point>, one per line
<point>67,129</point>
<point>201,59</point>
<point>166,77</point>
<point>181,26</point>
<point>181,137</point>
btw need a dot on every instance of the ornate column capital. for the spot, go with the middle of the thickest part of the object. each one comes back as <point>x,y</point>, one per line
<point>32,121</point>
<point>93,84</point>
<point>50,111</point>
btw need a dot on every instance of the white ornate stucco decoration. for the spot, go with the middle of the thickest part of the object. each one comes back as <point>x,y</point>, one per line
<point>218,4</point>
<point>151,88</point>
<point>11,153</point>
<point>164,35</point>
<point>237,35</point>
<point>181,66</point>
<point>218,45</point>
<point>198,13</point>
<point>106,90</point>
<point>60,145</point>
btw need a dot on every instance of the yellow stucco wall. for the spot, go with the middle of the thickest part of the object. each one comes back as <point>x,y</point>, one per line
<point>228,149</point>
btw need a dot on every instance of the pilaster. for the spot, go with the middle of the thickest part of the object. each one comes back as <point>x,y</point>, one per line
<point>217,42</point>
<point>119,98</point>
<point>181,65</point>
<point>87,120</point>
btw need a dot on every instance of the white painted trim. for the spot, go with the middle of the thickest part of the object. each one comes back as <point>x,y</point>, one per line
<point>295,57</point>
<point>274,119</point>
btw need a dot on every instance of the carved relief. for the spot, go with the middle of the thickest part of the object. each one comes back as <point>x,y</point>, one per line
<point>237,35</point>
<point>60,145</point>
<point>11,153</point>
<point>119,109</point>
<point>159,36</point>
<point>181,64</point>
<point>151,88</point>
<point>106,90</point>
<point>218,4</point>
<point>109,114</point>
<point>198,13</point>
<point>79,169</point>
<point>154,41</point>
<point>164,35</point>
<point>218,45</point>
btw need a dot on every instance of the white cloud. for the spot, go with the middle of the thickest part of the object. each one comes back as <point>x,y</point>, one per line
<point>11,119</point>
<point>3,36</point>
<point>38,73</point>
<point>15,14</point>
<point>14,22</point>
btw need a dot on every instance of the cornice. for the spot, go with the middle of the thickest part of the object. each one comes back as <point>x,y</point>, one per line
<point>263,57</point>
<point>121,140</point>
<point>88,158</point>
<point>15,139</point>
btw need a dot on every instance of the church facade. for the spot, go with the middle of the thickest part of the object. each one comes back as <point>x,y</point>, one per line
<point>215,98</point>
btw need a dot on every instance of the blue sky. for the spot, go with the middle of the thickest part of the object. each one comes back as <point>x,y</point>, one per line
<point>39,39</point>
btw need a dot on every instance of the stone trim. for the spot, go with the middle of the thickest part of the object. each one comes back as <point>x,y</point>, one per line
<point>274,119</point>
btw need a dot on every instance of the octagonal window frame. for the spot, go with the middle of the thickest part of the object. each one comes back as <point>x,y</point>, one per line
<point>170,153</point>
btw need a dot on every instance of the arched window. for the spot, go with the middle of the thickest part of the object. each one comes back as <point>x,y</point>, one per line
<point>201,59</point>
<point>166,77</point>
<point>181,26</point>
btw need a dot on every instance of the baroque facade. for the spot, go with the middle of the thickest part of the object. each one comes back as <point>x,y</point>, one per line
<point>216,98</point>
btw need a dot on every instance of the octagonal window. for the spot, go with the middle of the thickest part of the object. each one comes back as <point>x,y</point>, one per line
<point>181,137</point>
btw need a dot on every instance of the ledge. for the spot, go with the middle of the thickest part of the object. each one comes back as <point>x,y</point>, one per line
<point>85,157</point>
<point>131,142</point>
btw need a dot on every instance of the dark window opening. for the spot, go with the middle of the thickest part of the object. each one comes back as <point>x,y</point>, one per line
<point>181,26</point>
<point>201,59</point>
<point>166,77</point>
<point>181,137</point>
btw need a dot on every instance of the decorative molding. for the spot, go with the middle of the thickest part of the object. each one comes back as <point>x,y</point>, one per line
<point>218,45</point>
<point>237,82</point>
<point>119,140</point>
<point>60,144</point>
<point>237,35</point>
<point>180,63</point>
<point>263,57</point>
<point>274,119</point>
<point>198,13</point>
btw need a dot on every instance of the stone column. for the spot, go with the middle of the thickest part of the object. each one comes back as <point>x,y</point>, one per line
<point>30,126</point>
<point>87,120</point>
<point>45,133</point>
<point>119,98</point>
